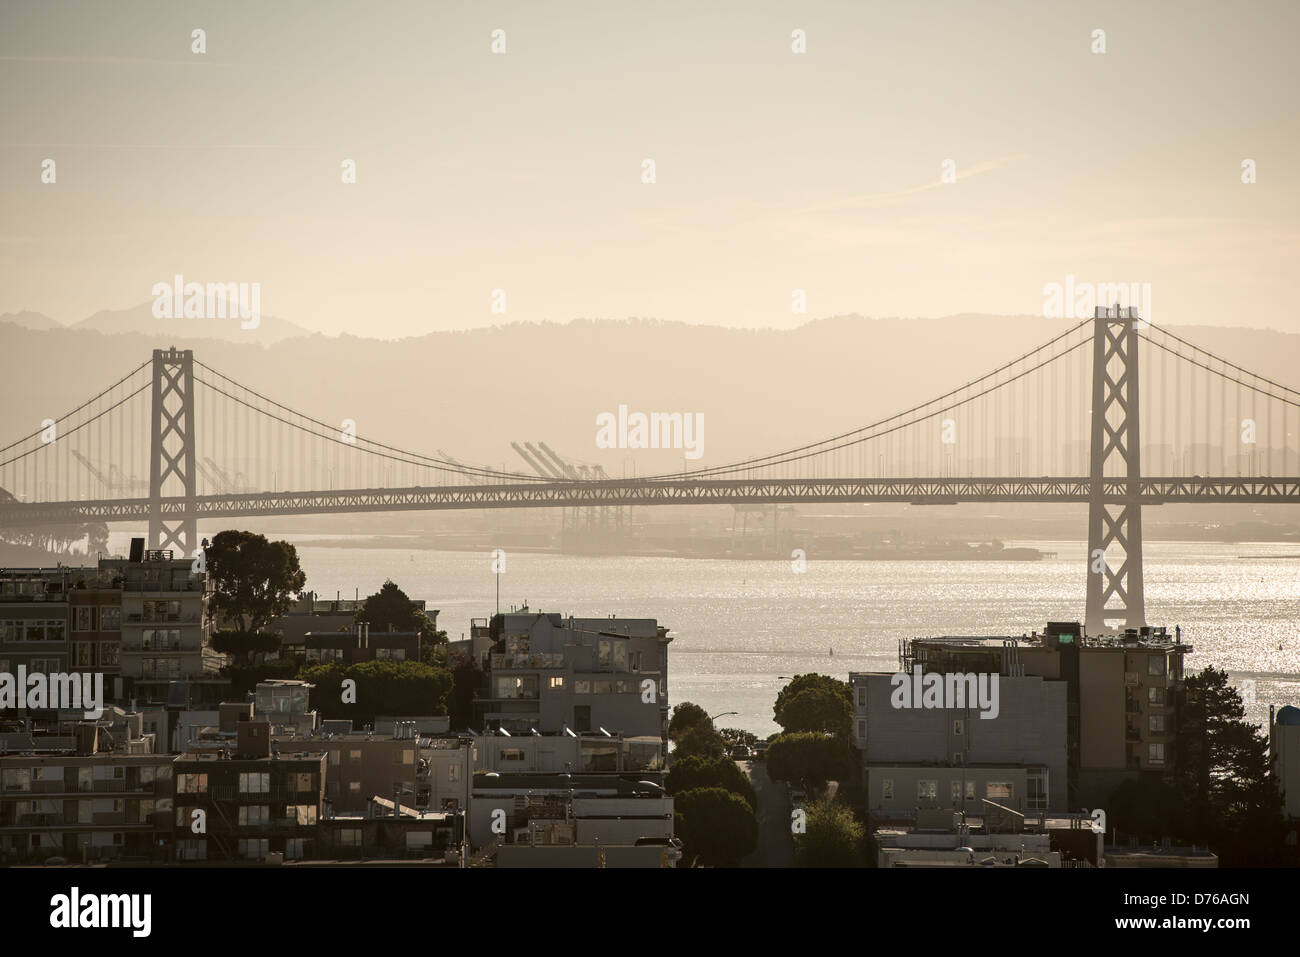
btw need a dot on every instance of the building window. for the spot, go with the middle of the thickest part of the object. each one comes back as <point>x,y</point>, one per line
<point>354,754</point>
<point>927,790</point>
<point>301,813</point>
<point>623,686</point>
<point>887,789</point>
<point>970,790</point>
<point>516,686</point>
<point>293,849</point>
<point>253,848</point>
<point>83,618</point>
<point>191,783</point>
<point>862,696</point>
<point>191,850</point>
<point>453,773</point>
<point>556,682</point>
<point>512,754</point>
<point>46,666</point>
<point>959,728</point>
<point>251,815</point>
<point>956,793</point>
<point>1156,753</point>
<point>110,653</point>
<point>602,687</point>
<point>862,728</point>
<point>54,630</point>
<point>354,787</point>
<point>1155,664</point>
<point>350,837</point>
<point>1156,723</point>
<point>254,782</point>
<point>999,790</point>
<point>1156,695</point>
<point>83,654</point>
<point>604,655</point>
<point>403,756</point>
<point>582,686</point>
<point>110,617</point>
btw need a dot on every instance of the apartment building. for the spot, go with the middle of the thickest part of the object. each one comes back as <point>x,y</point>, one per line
<point>244,803</point>
<point>549,673</point>
<point>572,809</point>
<point>94,795</point>
<point>1121,694</point>
<point>34,607</point>
<point>164,627</point>
<point>354,644</point>
<point>950,757</point>
<point>95,626</point>
<point>567,752</point>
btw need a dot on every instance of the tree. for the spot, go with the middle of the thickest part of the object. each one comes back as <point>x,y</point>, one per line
<point>809,758</point>
<point>832,837</point>
<point>1225,773</point>
<point>253,580</point>
<point>734,736</point>
<point>717,828</point>
<point>1149,809</point>
<point>686,716</point>
<point>807,682</point>
<point>391,609</point>
<point>242,645</point>
<point>466,677</point>
<point>700,741</point>
<point>691,772</point>
<point>382,687</point>
<point>818,709</point>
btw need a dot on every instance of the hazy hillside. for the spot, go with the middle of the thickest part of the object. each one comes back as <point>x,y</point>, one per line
<point>140,319</point>
<point>30,320</point>
<point>472,393</point>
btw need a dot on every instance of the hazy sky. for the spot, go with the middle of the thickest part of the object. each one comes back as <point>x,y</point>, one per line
<point>775,171</point>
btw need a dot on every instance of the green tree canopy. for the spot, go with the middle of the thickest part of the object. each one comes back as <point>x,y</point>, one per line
<point>734,736</point>
<point>391,609</point>
<point>382,687</point>
<point>818,709</point>
<point>691,772</point>
<point>717,828</point>
<point>253,580</point>
<point>809,758</point>
<point>832,837</point>
<point>1225,774</point>
<point>700,741</point>
<point>686,716</point>
<point>800,683</point>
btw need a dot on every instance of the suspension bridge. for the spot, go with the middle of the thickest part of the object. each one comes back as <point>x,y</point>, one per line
<point>1067,421</point>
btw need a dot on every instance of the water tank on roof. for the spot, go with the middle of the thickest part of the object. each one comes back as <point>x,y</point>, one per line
<point>1288,715</point>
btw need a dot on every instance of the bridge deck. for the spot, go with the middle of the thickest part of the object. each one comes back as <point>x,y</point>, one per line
<point>684,491</point>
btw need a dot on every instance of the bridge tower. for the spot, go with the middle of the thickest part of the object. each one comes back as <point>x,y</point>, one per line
<point>1114,508</point>
<point>171,450</point>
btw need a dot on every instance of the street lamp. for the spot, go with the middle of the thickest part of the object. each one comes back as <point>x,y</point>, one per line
<point>722,714</point>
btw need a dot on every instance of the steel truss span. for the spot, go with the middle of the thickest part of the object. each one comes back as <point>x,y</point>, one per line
<point>914,491</point>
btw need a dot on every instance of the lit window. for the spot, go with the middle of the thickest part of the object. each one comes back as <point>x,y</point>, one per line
<point>999,790</point>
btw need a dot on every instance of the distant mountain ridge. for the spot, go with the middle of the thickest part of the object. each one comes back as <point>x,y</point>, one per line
<point>474,392</point>
<point>141,320</point>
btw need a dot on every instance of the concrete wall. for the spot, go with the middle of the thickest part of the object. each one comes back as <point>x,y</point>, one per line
<point>1029,731</point>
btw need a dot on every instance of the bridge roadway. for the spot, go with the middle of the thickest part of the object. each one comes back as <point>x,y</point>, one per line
<point>677,491</point>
